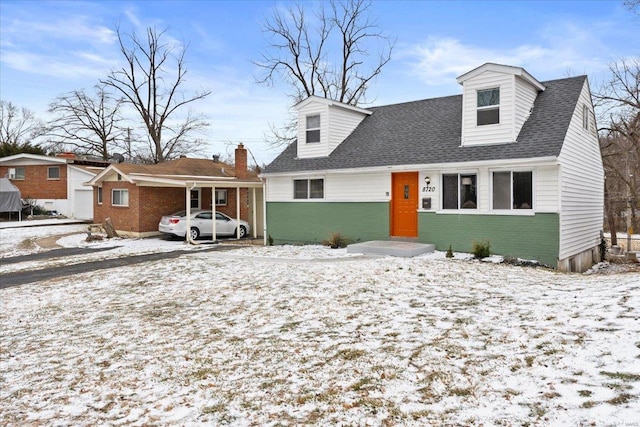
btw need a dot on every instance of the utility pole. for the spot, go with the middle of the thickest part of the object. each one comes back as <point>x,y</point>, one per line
<point>129,143</point>
<point>629,212</point>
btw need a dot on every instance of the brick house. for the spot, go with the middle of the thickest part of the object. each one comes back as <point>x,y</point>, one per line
<point>135,197</point>
<point>54,183</point>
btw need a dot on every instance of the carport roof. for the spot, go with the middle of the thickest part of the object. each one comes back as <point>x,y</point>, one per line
<point>180,173</point>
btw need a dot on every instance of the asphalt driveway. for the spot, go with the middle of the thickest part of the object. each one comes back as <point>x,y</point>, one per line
<point>23,277</point>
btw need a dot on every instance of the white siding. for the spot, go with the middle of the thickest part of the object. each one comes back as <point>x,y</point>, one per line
<point>525,97</point>
<point>370,187</point>
<point>336,124</point>
<point>488,134</point>
<point>366,187</point>
<point>546,189</point>
<point>432,190</point>
<point>316,149</point>
<point>341,123</point>
<point>582,185</point>
<point>279,189</point>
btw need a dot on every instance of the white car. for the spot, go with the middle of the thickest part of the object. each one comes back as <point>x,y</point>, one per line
<point>202,224</point>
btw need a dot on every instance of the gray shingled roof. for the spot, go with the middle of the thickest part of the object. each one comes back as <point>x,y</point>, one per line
<point>428,131</point>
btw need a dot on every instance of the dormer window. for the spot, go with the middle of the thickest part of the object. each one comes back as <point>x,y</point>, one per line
<point>489,106</point>
<point>313,128</point>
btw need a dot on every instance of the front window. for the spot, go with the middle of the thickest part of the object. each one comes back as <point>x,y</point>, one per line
<point>18,173</point>
<point>308,188</point>
<point>488,106</point>
<point>195,199</point>
<point>99,195</point>
<point>459,191</point>
<point>120,197</point>
<point>53,172</point>
<point>221,197</point>
<point>512,190</point>
<point>313,128</point>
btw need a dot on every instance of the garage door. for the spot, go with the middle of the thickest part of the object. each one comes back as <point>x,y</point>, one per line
<point>83,206</point>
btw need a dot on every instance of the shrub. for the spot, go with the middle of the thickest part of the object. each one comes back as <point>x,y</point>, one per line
<point>270,240</point>
<point>481,249</point>
<point>449,252</point>
<point>336,240</point>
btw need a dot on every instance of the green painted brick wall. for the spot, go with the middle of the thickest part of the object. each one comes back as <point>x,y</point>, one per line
<point>307,222</point>
<point>529,237</point>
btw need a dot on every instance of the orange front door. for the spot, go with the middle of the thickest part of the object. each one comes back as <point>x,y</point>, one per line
<point>404,204</point>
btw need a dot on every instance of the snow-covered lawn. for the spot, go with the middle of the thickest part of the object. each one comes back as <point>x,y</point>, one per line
<point>314,336</point>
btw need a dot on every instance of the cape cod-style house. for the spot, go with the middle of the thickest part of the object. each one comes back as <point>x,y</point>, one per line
<point>511,160</point>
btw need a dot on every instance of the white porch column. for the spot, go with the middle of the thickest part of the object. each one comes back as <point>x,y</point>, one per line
<point>187,234</point>
<point>214,236</point>
<point>255,215</point>
<point>238,211</point>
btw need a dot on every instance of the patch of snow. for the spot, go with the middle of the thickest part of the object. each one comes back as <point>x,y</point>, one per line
<point>307,335</point>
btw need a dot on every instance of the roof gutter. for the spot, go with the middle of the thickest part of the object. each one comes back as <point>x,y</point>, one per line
<point>551,160</point>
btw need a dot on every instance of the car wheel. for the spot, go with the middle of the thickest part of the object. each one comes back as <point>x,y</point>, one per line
<point>243,231</point>
<point>195,233</point>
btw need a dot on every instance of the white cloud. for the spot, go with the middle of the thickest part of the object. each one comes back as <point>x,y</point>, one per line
<point>556,50</point>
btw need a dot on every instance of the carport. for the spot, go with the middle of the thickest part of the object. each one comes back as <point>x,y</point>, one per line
<point>10,198</point>
<point>251,186</point>
<point>212,184</point>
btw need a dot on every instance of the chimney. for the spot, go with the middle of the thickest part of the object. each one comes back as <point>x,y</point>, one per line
<point>241,162</point>
<point>66,155</point>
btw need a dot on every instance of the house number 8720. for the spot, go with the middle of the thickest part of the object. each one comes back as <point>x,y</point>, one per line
<point>428,189</point>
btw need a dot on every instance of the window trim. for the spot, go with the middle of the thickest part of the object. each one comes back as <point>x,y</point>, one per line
<point>313,129</point>
<point>488,107</point>
<point>49,169</point>
<point>226,197</point>
<point>114,190</point>
<point>198,199</point>
<point>19,176</point>
<point>99,196</point>
<point>511,210</point>
<point>459,204</point>
<point>308,195</point>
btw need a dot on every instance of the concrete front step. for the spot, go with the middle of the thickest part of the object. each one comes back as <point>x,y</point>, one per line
<point>393,248</point>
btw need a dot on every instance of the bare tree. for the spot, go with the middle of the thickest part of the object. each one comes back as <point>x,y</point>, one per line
<point>151,81</point>
<point>19,127</point>
<point>328,54</point>
<point>618,101</point>
<point>89,124</point>
<point>633,6</point>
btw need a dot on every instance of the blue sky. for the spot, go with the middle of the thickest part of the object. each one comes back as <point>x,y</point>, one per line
<point>48,48</point>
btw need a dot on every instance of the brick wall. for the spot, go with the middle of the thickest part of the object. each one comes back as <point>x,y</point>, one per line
<point>156,202</point>
<point>148,204</point>
<point>230,207</point>
<point>36,184</point>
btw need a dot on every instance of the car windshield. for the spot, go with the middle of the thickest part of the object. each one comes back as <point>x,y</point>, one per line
<point>180,213</point>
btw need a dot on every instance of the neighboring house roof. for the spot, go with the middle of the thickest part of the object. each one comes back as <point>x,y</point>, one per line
<point>429,132</point>
<point>177,172</point>
<point>69,158</point>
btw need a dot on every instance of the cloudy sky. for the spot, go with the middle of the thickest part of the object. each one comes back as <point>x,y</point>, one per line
<point>48,48</point>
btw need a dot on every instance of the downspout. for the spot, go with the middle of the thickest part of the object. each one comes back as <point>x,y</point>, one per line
<point>264,212</point>
<point>187,233</point>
